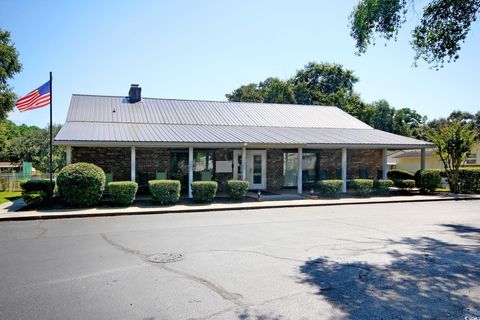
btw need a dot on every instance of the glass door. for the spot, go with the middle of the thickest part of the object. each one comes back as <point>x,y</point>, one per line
<point>256,169</point>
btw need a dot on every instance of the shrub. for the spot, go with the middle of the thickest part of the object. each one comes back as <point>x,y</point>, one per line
<point>330,187</point>
<point>35,198</point>
<point>362,186</point>
<point>397,174</point>
<point>123,192</point>
<point>469,179</point>
<point>382,186</point>
<point>237,189</point>
<point>37,192</point>
<point>38,185</point>
<point>81,184</point>
<point>404,183</point>
<point>2,186</point>
<point>204,191</point>
<point>165,191</point>
<point>428,180</point>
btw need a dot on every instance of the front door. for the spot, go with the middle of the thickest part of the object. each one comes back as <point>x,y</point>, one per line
<point>256,168</point>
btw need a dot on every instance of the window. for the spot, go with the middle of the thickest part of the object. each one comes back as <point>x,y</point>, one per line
<point>257,169</point>
<point>290,168</point>
<point>471,159</point>
<point>179,164</point>
<point>309,174</point>
<point>203,161</point>
<point>203,165</point>
<point>179,167</point>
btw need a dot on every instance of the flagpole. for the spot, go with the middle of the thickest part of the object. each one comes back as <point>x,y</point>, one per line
<point>51,148</point>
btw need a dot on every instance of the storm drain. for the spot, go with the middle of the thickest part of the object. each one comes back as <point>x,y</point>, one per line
<point>166,257</point>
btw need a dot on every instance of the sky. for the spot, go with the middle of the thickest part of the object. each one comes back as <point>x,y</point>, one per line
<point>205,49</point>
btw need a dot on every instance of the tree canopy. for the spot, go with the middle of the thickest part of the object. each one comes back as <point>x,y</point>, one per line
<point>29,143</point>
<point>437,38</point>
<point>9,66</point>
<point>331,84</point>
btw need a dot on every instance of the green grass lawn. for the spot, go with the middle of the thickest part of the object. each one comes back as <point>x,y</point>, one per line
<point>6,196</point>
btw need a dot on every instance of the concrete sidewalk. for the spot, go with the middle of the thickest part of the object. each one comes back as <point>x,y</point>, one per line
<point>139,208</point>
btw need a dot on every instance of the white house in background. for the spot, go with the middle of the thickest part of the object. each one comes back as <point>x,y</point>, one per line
<point>410,159</point>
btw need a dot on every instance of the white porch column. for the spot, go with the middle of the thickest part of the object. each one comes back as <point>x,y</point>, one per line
<point>69,154</point>
<point>132,164</point>
<point>190,171</point>
<point>422,158</point>
<point>384,164</point>
<point>344,169</point>
<point>244,163</point>
<point>300,171</point>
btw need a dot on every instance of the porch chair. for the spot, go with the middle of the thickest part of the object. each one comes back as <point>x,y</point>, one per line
<point>206,176</point>
<point>108,179</point>
<point>322,175</point>
<point>160,175</point>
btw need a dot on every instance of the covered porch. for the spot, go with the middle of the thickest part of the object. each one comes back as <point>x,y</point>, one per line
<point>282,169</point>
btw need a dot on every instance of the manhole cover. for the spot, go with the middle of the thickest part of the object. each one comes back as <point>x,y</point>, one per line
<point>165,257</point>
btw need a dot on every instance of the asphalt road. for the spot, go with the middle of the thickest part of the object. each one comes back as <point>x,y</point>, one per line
<point>383,261</point>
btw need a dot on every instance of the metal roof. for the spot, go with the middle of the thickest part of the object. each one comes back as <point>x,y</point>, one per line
<point>413,154</point>
<point>7,164</point>
<point>167,111</point>
<point>105,119</point>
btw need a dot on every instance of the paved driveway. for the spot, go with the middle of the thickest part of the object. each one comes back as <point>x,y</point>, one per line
<point>383,261</point>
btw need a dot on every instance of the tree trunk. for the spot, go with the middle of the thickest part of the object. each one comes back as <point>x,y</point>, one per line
<point>452,178</point>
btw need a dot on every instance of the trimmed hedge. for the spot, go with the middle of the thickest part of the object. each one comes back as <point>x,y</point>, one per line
<point>428,180</point>
<point>469,179</point>
<point>35,198</point>
<point>204,191</point>
<point>38,185</point>
<point>397,174</point>
<point>330,187</point>
<point>362,186</point>
<point>36,192</point>
<point>404,183</point>
<point>382,186</point>
<point>81,184</point>
<point>123,192</point>
<point>237,189</point>
<point>165,191</point>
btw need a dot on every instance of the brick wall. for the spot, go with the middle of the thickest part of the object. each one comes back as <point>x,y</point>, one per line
<point>149,161</point>
<point>357,159</point>
<point>331,162</point>
<point>274,169</point>
<point>115,160</point>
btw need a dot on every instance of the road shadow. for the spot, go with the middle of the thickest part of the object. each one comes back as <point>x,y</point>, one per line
<point>248,315</point>
<point>468,232</point>
<point>433,282</point>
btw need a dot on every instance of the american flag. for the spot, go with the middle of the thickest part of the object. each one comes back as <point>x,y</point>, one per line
<point>38,98</point>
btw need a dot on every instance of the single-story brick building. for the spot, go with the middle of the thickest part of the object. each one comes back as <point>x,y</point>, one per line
<point>273,146</point>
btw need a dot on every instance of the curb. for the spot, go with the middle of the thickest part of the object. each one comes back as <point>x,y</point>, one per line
<point>167,211</point>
